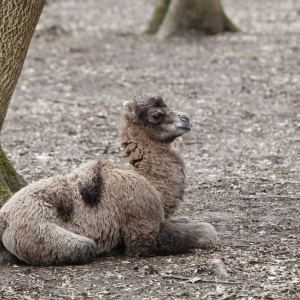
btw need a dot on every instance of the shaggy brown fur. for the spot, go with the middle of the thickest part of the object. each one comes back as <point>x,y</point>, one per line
<point>101,207</point>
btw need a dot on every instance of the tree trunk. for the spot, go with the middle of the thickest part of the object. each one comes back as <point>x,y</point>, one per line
<point>17,24</point>
<point>175,16</point>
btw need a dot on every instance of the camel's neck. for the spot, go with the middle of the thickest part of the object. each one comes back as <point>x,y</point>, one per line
<point>160,164</point>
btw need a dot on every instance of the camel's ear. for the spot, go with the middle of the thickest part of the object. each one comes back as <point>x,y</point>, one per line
<point>130,108</point>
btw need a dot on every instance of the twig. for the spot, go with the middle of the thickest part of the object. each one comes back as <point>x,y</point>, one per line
<point>260,179</point>
<point>192,143</point>
<point>287,182</point>
<point>198,279</point>
<point>228,296</point>
<point>64,101</point>
<point>270,197</point>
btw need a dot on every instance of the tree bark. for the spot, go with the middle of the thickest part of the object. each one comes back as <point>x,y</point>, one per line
<point>176,16</point>
<point>17,24</point>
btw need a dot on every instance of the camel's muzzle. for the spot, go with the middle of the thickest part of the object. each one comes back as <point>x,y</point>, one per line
<point>186,124</point>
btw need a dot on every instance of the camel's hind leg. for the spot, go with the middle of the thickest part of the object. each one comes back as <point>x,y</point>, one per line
<point>5,256</point>
<point>48,244</point>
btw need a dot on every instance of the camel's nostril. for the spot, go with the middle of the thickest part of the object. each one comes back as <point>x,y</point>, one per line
<point>184,118</point>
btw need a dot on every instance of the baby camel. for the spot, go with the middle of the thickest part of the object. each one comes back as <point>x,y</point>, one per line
<point>100,207</point>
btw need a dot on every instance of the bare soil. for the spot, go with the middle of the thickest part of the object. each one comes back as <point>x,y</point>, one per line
<point>242,92</point>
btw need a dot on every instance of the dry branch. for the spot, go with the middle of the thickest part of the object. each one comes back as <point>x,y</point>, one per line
<point>254,197</point>
<point>198,279</point>
<point>228,296</point>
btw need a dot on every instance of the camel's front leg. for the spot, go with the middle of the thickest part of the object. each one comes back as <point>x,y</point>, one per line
<point>178,236</point>
<point>173,237</point>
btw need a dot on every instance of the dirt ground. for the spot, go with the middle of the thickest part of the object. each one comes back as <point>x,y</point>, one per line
<point>242,92</point>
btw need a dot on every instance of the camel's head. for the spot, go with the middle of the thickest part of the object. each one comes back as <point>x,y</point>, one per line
<point>156,119</point>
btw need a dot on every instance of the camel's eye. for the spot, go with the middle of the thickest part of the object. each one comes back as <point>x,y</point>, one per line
<point>157,117</point>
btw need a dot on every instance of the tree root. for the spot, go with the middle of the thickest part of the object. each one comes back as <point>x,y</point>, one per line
<point>10,180</point>
<point>174,16</point>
